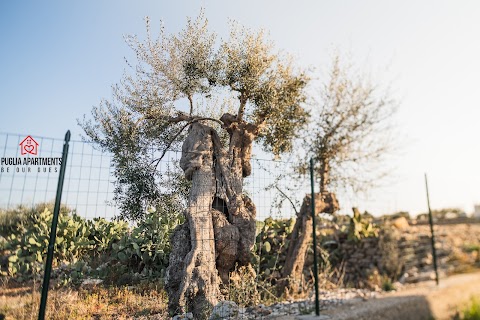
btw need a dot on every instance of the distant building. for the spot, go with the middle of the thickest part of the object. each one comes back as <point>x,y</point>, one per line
<point>476,212</point>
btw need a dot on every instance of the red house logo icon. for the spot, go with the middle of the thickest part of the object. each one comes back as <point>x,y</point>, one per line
<point>29,146</point>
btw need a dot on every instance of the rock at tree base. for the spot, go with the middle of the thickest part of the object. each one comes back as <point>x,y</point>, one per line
<point>224,310</point>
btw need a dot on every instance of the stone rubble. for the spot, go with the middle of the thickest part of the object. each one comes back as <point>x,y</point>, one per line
<point>224,310</point>
<point>183,316</point>
<point>328,299</point>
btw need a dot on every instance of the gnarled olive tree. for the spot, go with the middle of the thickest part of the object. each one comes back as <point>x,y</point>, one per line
<point>159,107</point>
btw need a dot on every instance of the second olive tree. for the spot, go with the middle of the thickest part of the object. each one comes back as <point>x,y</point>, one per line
<point>348,138</point>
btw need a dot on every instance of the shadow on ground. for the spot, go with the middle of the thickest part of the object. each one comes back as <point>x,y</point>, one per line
<point>414,307</point>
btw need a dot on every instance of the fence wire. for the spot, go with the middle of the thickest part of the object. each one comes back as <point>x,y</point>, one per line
<point>89,180</point>
<point>89,192</point>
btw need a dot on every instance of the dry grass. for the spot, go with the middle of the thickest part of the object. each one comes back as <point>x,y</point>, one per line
<point>22,303</point>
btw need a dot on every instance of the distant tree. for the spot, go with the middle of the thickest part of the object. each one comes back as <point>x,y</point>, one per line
<point>347,138</point>
<point>159,107</point>
<point>351,130</point>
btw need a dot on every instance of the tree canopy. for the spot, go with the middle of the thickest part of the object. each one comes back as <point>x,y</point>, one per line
<point>179,79</point>
<point>351,129</point>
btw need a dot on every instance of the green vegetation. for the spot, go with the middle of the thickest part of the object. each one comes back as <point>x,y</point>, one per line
<point>473,248</point>
<point>121,254</point>
<point>472,310</point>
<point>271,245</point>
<point>99,248</point>
<point>361,227</point>
<point>387,284</point>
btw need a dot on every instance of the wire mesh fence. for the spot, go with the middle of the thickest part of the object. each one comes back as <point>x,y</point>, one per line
<point>89,179</point>
<point>31,178</point>
<point>28,179</point>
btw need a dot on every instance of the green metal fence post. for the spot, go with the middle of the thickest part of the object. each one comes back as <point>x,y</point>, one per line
<point>430,220</point>
<point>53,231</point>
<point>315,261</point>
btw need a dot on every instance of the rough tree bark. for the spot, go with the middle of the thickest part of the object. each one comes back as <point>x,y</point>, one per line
<point>214,237</point>
<point>300,239</point>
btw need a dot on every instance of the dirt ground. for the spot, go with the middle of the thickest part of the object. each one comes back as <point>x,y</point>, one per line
<point>424,302</point>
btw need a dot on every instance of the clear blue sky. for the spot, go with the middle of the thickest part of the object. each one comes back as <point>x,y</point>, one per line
<point>59,58</point>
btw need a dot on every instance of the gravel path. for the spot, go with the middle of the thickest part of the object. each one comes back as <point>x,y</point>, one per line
<point>423,302</point>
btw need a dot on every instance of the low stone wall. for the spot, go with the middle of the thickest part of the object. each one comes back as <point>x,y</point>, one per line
<point>405,254</point>
<point>453,243</point>
<point>360,260</point>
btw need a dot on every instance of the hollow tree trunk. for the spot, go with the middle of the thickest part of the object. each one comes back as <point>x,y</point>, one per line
<point>300,239</point>
<point>220,221</point>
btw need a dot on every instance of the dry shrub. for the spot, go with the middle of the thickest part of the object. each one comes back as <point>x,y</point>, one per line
<point>242,287</point>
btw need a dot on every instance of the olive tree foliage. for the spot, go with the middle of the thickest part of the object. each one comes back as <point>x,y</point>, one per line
<point>175,76</point>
